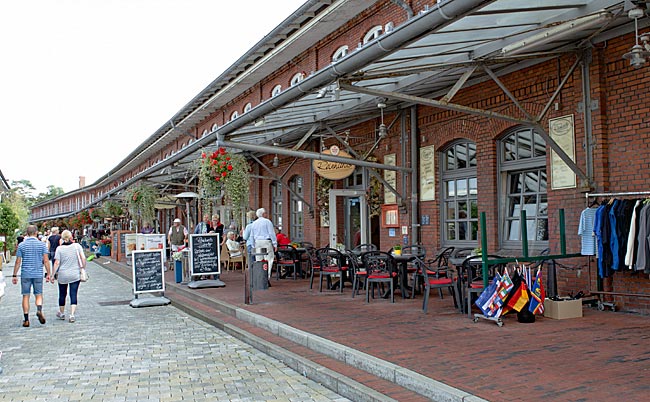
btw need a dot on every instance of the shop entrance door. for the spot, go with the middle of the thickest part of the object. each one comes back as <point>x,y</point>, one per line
<point>355,211</point>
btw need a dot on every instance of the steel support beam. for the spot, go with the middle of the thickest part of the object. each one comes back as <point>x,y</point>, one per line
<point>459,84</point>
<point>473,111</point>
<point>307,155</point>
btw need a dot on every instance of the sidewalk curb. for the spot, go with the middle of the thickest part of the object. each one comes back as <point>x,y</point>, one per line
<point>408,379</point>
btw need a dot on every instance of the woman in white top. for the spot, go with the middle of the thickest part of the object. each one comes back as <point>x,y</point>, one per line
<point>233,246</point>
<point>68,262</point>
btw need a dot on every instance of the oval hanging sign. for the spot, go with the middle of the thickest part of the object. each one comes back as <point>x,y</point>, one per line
<point>334,170</point>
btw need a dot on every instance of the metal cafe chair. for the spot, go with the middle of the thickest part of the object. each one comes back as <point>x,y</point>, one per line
<point>287,258</point>
<point>435,278</point>
<point>331,265</point>
<point>357,271</point>
<point>380,269</point>
<point>440,261</point>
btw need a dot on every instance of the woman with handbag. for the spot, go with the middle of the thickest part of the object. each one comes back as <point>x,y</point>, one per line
<point>69,270</point>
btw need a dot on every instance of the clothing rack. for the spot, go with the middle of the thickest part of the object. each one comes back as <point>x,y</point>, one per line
<point>600,292</point>
<point>619,194</point>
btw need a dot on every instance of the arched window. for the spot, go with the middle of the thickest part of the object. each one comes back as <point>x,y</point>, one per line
<point>234,115</point>
<point>215,126</point>
<point>205,132</point>
<point>296,232</point>
<point>522,161</point>
<point>340,53</point>
<point>297,78</point>
<point>248,107</point>
<point>276,203</point>
<point>372,34</point>
<point>459,194</point>
<point>276,90</point>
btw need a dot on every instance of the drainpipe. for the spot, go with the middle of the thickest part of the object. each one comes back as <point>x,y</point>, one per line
<point>587,116</point>
<point>415,173</point>
<point>405,6</point>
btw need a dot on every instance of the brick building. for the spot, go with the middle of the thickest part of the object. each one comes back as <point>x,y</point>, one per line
<point>449,109</point>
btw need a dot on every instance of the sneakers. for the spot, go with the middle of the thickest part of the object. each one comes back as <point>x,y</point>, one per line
<point>60,315</point>
<point>41,317</point>
<point>72,318</point>
<point>25,324</point>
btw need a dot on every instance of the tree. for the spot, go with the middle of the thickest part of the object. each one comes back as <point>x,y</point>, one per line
<point>8,224</point>
<point>52,192</point>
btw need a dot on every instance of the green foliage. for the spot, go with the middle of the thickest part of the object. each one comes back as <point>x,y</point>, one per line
<point>52,192</point>
<point>112,209</point>
<point>141,199</point>
<point>9,222</point>
<point>237,185</point>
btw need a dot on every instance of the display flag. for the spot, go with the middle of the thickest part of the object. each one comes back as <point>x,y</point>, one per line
<point>537,295</point>
<point>488,301</point>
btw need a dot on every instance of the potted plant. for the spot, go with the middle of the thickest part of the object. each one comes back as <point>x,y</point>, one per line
<point>397,249</point>
<point>105,248</point>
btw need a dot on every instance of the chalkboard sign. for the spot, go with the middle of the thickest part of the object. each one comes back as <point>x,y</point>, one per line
<point>147,271</point>
<point>123,242</point>
<point>205,258</point>
<point>114,246</point>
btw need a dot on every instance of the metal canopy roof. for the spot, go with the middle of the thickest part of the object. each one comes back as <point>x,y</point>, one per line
<point>432,63</point>
<point>425,56</point>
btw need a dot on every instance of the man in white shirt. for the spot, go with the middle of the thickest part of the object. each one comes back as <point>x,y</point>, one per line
<point>263,234</point>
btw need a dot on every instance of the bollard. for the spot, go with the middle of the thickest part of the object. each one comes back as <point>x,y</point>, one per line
<point>178,271</point>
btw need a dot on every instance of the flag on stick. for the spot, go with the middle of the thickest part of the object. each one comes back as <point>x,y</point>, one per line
<point>537,295</point>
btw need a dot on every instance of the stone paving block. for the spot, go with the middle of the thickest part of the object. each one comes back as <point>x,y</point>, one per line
<point>118,353</point>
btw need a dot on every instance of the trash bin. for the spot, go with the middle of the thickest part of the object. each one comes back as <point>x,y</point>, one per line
<point>260,275</point>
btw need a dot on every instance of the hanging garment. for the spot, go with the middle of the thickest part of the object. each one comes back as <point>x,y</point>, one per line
<point>599,219</point>
<point>642,250</point>
<point>586,231</point>
<point>613,235</point>
<point>623,216</point>
<point>632,235</point>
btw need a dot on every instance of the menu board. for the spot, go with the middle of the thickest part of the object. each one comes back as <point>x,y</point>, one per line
<point>151,241</point>
<point>205,258</point>
<point>148,269</point>
<point>123,242</point>
<point>129,244</point>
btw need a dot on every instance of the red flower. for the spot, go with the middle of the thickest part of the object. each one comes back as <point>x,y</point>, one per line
<point>229,167</point>
<point>203,155</point>
<point>227,158</point>
<point>224,174</point>
<point>222,151</point>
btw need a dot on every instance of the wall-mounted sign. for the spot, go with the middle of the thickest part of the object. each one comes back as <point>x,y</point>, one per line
<point>562,132</point>
<point>391,178</point>
<point>427,173</point>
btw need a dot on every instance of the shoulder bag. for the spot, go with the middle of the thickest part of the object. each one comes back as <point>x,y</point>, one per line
<point>83,275</point>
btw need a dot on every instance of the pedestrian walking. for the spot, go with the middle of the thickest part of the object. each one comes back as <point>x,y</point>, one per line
<point>31,256</point>
<point>68,263</point>
<point>53,241</point>
<point>263,233</point>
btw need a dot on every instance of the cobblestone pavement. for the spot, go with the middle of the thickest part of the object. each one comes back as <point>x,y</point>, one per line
<point>117,353</point>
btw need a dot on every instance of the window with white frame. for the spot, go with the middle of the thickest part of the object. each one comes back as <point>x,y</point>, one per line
<point>276,203</point>
<point>372,34</point>
<point>234,115</point>
<point>340,53</point>
<point>276,90</point>
<point>522,159</point>
<point>460,194</point>
<point>205,132</point>
<point>296,231</point>
<point>297,78</point>
<point>248,107</point>
<point>214,128</point>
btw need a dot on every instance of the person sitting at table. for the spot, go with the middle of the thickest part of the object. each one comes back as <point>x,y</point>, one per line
<point>233,245</point>
<point>282,239</point>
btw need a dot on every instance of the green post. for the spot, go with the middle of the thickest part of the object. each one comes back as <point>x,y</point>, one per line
<point>524,233</point>
<point>562,234</point>
<point>484,250</point>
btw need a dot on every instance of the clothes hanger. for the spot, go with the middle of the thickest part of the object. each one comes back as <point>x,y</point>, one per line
<point>593,203</point>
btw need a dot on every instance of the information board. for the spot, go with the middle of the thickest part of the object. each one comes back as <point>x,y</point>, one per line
<point>205,258</point>
<point>130,244</point>
<point>152,241</point>
<point>148,268</point>
<point>123,242</point>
